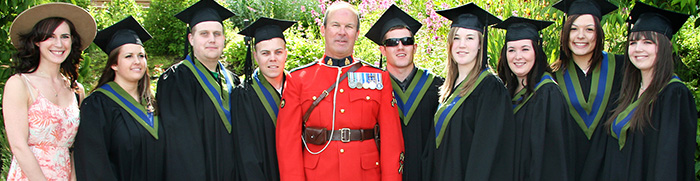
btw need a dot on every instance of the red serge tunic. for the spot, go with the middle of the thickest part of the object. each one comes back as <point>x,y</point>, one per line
<point>354,108</point>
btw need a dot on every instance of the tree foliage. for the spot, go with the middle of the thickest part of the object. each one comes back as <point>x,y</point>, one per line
<point>168,32</point>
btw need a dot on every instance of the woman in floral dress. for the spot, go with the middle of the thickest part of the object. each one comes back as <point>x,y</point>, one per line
<point>40,102</point>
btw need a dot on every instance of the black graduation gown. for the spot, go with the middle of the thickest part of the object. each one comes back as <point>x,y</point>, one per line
<point>666,148</point>
<point>112,145</point>
<point>417,132</point>
<point>478,141</point>
<point>542,143</point>
<point>588,154</point>
<point>254,135</point>
<point>199,147</point>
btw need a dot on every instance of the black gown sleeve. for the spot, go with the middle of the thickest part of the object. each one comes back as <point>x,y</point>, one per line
<point>491,153</point>
<point>675,150</point>
<point>246,134</point>
<point>428,154</point>
<point>92,141</point>
<point>184,150</point>
<point>549,140</point>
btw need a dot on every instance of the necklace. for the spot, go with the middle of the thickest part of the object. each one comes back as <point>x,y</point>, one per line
<point>53,88</point>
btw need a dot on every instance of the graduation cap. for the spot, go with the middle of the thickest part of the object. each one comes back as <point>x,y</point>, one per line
<point>392,17</point>
<point>125,31</point>
<point>597,8</point>
<point>266,28</point>
<point>470,16</point>
<point>204,10</point>
<point>262,29</point>
<point>473,17</point>
<point>649,18</point>
<point>518,28</point>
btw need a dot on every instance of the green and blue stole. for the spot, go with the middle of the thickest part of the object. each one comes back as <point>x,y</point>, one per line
<point>408,101</point>
<point>136,110</point>
<point>212,88</point>
<point>546,78</point>
<point>588,114</point>
<point>622,121</point>
<point>267,94</point>
<point>448,108</point>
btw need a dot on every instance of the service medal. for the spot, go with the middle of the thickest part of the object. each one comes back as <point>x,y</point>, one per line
<point>351,80</point>
<point>373,81</point>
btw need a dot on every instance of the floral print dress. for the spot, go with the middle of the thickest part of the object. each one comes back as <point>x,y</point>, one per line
<point>52,131</point>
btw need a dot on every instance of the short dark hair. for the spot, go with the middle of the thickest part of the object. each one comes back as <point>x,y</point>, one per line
<point>397,27</point>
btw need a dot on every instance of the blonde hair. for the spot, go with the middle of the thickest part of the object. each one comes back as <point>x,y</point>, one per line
<point>452,71</point>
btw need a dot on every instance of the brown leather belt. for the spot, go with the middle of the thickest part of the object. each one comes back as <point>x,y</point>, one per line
<point>346,134</point>
<point>320,136</point>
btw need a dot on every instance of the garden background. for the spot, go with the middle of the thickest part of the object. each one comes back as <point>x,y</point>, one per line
<point>305,43</point>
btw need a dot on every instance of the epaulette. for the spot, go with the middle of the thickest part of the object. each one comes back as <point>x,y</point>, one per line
<point>370,65</point>
<point>171,70</point>
<point>304,66</point>
<point>176,65</point>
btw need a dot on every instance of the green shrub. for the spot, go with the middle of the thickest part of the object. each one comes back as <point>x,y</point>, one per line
<point>168,32</point>
<point>114,11</point>
<point>297,10</point>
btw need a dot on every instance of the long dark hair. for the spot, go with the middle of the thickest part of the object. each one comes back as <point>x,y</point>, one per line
<point>565,53</point>
<point>144,84</point>
<point>28,55</point>
<point>663,72</point>
<point>533,77</point>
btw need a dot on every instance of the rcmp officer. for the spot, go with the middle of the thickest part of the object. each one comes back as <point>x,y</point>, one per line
<point>335,110</point>
<point>415,88</point>
<point>258,101</point>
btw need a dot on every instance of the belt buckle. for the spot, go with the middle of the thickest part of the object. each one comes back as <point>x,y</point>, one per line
<point>345,135</point>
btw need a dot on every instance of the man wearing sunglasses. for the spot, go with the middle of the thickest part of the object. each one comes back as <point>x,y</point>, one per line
<point>415,89</point>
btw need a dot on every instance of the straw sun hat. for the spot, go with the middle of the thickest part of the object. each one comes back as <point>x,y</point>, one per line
<point>82,20</point>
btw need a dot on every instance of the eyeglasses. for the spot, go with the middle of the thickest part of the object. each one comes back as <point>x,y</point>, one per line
<point>395,41</point>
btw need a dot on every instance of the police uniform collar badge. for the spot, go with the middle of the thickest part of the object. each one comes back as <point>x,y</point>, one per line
<point>337,62</point>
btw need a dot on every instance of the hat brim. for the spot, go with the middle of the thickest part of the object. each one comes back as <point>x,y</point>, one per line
<point>82,20</point>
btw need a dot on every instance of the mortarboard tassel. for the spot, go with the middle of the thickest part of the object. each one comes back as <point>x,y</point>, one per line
<point>187,43</point>
<point>485,51</point>
<point>248,65</point>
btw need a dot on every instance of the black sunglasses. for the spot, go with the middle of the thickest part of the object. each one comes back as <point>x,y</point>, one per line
<point>395,41</point>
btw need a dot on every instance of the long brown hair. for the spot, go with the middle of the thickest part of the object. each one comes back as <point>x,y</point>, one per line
<point>533,77</point>
<point>663,72</point>
<point>144,84</point>
<point>28,55</point>
<point>452,70</point>
<point>565,53</point>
